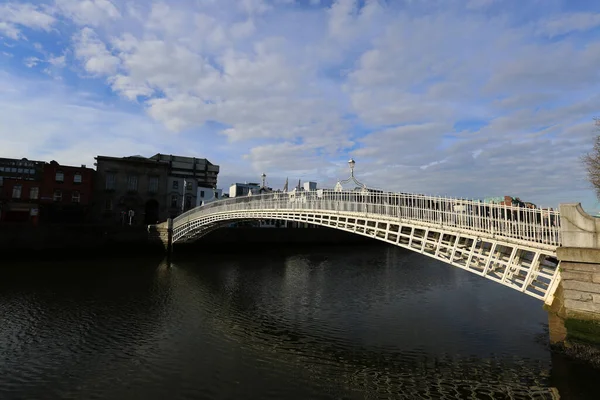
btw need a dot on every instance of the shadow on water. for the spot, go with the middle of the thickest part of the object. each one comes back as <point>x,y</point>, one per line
<point>407,370</point>
<point>320,323</point>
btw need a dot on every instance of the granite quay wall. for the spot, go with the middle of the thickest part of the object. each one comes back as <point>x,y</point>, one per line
<point>574,316</point>
<point>64,241</point>
<point>246,239</point>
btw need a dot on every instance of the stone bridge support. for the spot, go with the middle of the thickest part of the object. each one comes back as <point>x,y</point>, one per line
<point>162,233</point>
<point>574,316</point>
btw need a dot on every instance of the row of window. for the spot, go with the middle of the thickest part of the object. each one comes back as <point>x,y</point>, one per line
<point>188,185</point>
<point>60,177</point>
<point>34,194</point>
<point>175,202</point>
<point>30,171</point>
<point>20,162</point>
<point>132,182</point>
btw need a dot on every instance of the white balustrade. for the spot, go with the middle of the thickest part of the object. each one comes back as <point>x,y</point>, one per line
<point>533,225</point>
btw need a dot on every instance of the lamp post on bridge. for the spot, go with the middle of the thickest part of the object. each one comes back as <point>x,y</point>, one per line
<point>338,185</point>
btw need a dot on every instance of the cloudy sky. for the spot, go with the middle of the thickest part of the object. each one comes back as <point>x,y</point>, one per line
<point>468,98</point>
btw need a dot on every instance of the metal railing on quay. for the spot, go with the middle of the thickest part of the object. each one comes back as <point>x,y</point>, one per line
<point>540,225</point>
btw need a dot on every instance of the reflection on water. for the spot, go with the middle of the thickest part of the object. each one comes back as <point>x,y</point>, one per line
<point>358,322</point>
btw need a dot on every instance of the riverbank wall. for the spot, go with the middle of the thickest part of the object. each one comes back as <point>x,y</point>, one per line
<point>227,240</point>
<point>574,316</point>
<point>64,241</point>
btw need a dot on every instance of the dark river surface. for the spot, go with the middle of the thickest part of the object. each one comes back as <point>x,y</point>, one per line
<point>354,322</point>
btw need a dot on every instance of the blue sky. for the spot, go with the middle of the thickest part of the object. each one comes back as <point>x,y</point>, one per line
<point>468,98</point>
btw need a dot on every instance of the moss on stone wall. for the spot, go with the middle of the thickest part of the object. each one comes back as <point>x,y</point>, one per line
<point>583,331</point>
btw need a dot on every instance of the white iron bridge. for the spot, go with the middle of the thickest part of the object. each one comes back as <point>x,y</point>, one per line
<point>513,246</point>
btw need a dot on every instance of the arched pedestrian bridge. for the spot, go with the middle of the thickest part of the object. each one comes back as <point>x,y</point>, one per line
<point>514,246</point>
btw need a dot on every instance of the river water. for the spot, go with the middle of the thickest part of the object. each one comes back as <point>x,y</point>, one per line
<point>360,322</point>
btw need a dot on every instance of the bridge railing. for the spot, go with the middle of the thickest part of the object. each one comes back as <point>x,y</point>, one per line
<point>540,225</point>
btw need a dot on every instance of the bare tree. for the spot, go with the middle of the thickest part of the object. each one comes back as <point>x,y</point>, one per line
<point>592,163</point>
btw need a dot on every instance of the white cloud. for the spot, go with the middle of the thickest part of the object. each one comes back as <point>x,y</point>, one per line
<point>15,15</point>
<point>32,62</point>
<point>88,12</point>
<point>57,61</point>
<point>92,52</point>
<point>9,30</point>
<point>479,4</point>
<point>68,126</point>
<point>574,22</point>
<point>253,7</point>
<point>243,29</point>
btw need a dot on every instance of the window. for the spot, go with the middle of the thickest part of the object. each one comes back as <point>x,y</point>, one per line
<point>216,195</point>
<point>188,186</point>
<point>174,200</point>
<point>153,184</point>
<point>60,176</point>
<point>175,185</point>
<point>34,193</point>
<point>188,202</point>
<point>16,194</point>
<point>108,205</point>
<point>20,170</point>
<point>77,177</point>
<point>1,181</point>
<point>132,183</point>
<point>202,193</point>
<point>57,195</point>
<point>110,181</point>
<point>75,197</point>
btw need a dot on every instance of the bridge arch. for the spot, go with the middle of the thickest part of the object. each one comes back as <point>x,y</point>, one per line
<point>509,245</point>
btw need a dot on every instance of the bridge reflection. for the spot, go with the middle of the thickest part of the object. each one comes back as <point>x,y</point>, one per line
<point>351,319</point>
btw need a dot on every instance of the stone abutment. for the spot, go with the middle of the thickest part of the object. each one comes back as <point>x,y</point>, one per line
<point>574,315</point>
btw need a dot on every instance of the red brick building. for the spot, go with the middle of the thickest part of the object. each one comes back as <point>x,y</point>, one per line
<point>20,200</point>
<point>20,184</point>
<point>66,193</point>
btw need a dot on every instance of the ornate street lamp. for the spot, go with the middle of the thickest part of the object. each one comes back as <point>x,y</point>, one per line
<point>338,185</point>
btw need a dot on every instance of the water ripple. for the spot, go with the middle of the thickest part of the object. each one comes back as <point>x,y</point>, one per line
<point>321,324</point>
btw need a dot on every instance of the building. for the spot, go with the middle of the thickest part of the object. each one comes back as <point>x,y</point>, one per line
<point>206,195</point>
<point>243,189</point>
<point>130,190</point>
<point>20,183</point>
<point>308,186</point>
<point>509,201</point>
<point>187,177</point>
<point>66,193</point>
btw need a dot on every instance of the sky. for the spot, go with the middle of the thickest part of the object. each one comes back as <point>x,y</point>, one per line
<point>460,98</point>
